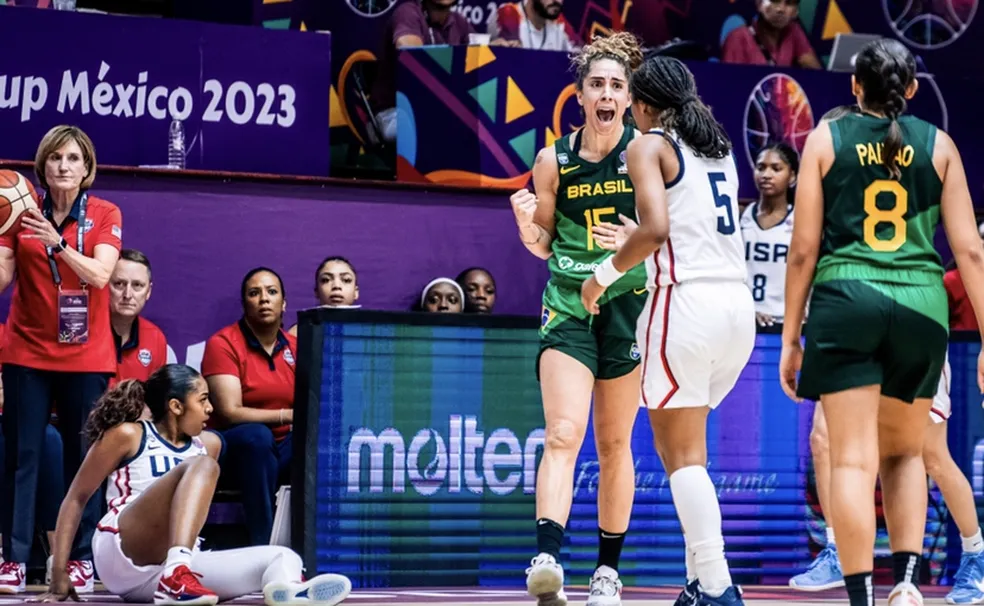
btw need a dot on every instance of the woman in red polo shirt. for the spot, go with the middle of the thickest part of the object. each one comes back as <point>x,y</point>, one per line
<point>59,345</point>
<point>249,367</point>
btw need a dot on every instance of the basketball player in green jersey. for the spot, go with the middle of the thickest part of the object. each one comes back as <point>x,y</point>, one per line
<point>580,181</point>
<point>871,190</point>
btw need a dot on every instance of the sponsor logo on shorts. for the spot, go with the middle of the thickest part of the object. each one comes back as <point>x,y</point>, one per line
<point>634,352</point>
<point>640,291</point>
<point>546,317</point>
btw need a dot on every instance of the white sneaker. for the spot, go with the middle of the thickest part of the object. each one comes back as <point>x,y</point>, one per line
<point>322,590</point>
<point>545,581</point>
<point>80,572</point>
<point>12,578</point>
<point>905,594</point>
<point>605,589</point>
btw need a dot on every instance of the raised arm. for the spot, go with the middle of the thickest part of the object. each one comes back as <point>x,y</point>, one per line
<point>535,212</point>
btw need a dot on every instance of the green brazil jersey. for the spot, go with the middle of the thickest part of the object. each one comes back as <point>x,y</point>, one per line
<point>875,227</point>
<point>589,193</point>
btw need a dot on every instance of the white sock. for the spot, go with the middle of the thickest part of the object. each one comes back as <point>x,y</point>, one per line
<point>691,564</point>
<point>831,542</point>
<point>974,544</point>
<point>697,506</point>
<point>285,567</point>
<point>176,556</point>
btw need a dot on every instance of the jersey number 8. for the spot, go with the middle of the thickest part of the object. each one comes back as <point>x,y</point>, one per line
<point>875,216</point>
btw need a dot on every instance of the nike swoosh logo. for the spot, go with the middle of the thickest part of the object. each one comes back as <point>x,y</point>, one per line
<point>640,291</point>
<point>568,169</point>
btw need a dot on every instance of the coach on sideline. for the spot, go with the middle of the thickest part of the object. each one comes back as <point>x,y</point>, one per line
<point>141,347</point>
<point>59,344</point>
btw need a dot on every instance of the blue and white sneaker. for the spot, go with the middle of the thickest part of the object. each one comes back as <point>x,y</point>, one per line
<point>823,573</point>
<point>322,590</point>
<point>689,595</point>
<point>731,597</point>
<point>968,581</point>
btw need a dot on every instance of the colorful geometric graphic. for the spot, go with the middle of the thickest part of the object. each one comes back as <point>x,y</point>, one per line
<point>517,105</point>
<point>777,110</point>
<point>929,25</point>
<point>835,23</point>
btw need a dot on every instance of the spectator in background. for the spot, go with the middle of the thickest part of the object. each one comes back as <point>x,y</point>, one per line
<point>775,37</point>
<point>335,285</point>
<point>59,346</point>
<point>767,228</point>
<point>140,345</point>
<point>961,312</point>
<point>249,367</point>
<point>534,24</point>
<point>413,23</point>
<point>442,295</point>
<point>479,288</point>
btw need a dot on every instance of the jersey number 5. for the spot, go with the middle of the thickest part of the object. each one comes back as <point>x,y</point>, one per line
<point>875,216</point>
<point>726,224</point>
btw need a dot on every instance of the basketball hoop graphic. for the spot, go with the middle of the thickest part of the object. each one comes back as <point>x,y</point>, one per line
<point>371,8</point>
<point>929,24</point>
<point>777,110</point>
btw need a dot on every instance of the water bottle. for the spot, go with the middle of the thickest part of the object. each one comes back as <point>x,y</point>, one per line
<point>176,145</point>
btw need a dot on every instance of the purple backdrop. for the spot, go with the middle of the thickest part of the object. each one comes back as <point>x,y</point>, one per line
<point>251,99</point>
<point>398,241</point>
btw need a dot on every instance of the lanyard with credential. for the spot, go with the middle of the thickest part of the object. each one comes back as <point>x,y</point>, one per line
<point>55,274</point>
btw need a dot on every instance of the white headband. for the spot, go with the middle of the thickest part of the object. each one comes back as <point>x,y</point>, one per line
<point>436,281</point>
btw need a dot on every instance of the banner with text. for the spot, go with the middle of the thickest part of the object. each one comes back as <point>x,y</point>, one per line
<point>495,107</point>
<point>397,240</point>
<point>248,99</point>
<point>427,460</point>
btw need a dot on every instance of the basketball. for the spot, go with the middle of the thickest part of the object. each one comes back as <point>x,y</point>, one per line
<point>16,196</point>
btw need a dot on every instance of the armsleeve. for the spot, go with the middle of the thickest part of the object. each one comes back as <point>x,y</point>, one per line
<point>407,22</point>
<point>219,358</point>
<point>733,49</point>
<point>111,229</point>
<point>504,24</point>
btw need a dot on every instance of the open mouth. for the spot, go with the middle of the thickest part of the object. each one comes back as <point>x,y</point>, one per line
<point>605,116</point>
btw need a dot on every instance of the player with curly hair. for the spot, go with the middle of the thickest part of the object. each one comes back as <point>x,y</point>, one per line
<point>580,181</point>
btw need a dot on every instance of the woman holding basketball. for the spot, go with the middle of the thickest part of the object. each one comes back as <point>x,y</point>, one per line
<point>161,475</point>
<point>59,344</point>
<point>581,181</point>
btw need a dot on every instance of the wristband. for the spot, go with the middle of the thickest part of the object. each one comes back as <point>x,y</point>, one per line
<point>606,274</point>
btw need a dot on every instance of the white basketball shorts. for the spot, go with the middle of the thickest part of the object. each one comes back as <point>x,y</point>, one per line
<point>940,412</point>
<point>696,338</point>
<point>117,572</point>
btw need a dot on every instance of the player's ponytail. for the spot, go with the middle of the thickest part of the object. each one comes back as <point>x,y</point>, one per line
<point>123,403</point>
<point>667,86</point>
<point>885,69</point>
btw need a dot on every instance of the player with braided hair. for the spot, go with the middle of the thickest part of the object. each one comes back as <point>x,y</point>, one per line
<point>698,326</point>
<point>872,186</point>
<point>580,181</point>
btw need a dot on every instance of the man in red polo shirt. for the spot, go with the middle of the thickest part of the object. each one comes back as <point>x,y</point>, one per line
<point>775,37</point>
<point>140,345</point>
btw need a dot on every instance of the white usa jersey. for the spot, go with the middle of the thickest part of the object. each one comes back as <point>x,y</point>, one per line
<point>705,241</point>
<point>765,253</point>
<point>156,457</point>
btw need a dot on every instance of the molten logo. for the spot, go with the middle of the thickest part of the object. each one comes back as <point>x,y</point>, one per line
<point>467,459</point>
